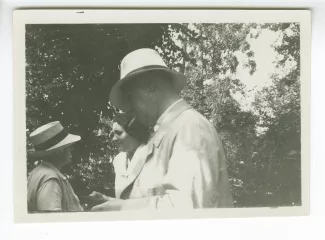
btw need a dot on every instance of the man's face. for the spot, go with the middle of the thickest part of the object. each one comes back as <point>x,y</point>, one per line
<point>67,155</point>
<point>142,104</point>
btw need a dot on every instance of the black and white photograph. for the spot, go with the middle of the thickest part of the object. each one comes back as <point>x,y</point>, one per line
<point>199,112</point>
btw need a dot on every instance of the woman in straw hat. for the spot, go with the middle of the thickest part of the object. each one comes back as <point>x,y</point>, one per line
<point>48,188</point>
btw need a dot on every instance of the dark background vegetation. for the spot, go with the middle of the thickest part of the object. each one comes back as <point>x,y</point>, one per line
<point>70,70</point>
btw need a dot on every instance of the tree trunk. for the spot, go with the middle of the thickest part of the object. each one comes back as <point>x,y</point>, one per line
<point>184,41</point>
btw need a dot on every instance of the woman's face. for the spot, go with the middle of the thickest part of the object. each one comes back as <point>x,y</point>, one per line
<point>126,142</point>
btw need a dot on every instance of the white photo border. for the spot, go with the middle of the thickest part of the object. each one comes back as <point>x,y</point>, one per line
<point>23,17</point>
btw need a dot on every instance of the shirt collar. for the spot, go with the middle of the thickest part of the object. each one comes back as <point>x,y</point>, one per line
<point>162,117</point>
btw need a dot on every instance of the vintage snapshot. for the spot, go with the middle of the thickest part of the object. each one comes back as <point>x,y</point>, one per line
<point>161,114</point>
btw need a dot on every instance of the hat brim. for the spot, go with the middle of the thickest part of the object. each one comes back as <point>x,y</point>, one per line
<point>67,141</point>
<point>116,95</point>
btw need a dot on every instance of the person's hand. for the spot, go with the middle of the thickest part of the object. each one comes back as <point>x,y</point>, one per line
<point>100,197</point>
<point>113,205</point>
<point>97,196</point>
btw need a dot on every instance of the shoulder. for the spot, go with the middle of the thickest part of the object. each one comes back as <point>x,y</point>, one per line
<point>192,120</point>
<point>193,129</point>
<point>51,184</point>
<point>43,172</point>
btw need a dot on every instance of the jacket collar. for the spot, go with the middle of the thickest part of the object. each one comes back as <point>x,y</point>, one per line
<point>163,116</point>
<point>171,113</point>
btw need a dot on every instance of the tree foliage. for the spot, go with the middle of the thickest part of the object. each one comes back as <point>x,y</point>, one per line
<point>210,90</point>
<point>264,167</point>
<point>278,107</point>
<point>70,70</point>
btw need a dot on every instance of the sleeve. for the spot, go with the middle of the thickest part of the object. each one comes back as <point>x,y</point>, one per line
<point>192,166</point>
<point>49,196</point>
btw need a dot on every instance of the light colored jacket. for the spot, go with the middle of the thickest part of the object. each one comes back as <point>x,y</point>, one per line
<point>182,166</point>
<point>124,168</point>
<point>65,195</point>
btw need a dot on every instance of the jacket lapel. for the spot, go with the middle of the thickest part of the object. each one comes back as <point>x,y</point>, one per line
<point>136,165</point>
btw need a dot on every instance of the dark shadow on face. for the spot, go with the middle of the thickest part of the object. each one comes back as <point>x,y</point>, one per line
<point>67,154</point>
<point>142,101</point>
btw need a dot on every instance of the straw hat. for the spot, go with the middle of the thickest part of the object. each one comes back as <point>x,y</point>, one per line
<point>138,62</point>
<point>50,138</point>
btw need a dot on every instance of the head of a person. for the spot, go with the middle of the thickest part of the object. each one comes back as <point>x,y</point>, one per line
<point>53,143</point>
<point>128,132</point>
<point>148,94</point>
<point>60,157</point>
<point>147,87</point>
